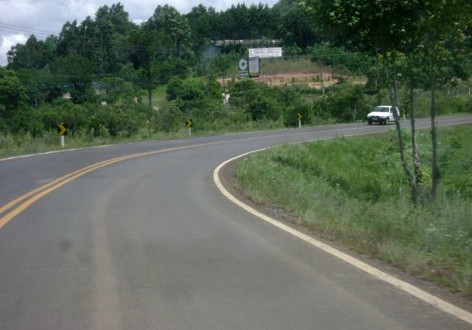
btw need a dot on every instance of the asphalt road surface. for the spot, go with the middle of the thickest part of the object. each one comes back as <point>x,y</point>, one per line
<point>138,236</point>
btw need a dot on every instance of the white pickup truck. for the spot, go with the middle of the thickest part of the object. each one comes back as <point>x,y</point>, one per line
<point>382,114</point>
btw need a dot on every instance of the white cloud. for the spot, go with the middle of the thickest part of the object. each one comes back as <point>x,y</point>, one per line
<point>9,41</point>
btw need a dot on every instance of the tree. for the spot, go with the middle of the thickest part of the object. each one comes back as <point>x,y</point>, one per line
<point>73,74</point>
<point>145,59</point>
<point>110,38</point>
<point>33,54</point>
<point>222,64</point>
<point>382,28</point>
<point>201,22</point>
<point>294,26</point>
<point>173,32</point>
<point>400,32</point>
<point>71,39</point>
<point>164,36</point>
<point>12,93</point>
<point>445,53</point>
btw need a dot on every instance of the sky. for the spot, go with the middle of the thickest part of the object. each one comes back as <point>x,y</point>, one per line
<point>19,19</point>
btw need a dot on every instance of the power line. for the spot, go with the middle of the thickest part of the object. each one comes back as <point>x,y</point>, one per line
<point>25,30</point>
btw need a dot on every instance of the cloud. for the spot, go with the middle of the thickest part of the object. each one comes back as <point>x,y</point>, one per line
<point>22,18</point>
<point>9,41</point>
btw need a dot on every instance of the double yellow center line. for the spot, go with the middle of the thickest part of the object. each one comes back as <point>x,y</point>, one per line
<point>19,204</point>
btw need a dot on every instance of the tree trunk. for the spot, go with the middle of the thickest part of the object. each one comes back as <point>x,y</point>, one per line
<point>150,96</point>
<point>149,84</point>
<point>434,140</point>
<point>418,176</point>
<point>401,145</point>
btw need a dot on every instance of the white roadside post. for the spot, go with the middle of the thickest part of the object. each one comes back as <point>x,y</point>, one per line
<point>62,132</point>
<point>189,124</point>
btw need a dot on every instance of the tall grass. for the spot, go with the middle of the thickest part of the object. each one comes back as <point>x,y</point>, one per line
<point>353,190</point>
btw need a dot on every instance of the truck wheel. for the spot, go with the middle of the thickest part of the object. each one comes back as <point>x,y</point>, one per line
<point>386,121</point>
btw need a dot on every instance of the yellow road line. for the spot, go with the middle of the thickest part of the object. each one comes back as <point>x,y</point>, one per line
<point>21,203</point>
<point>37,190</point>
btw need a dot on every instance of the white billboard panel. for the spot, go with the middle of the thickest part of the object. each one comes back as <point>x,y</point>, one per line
<point>265,52</point>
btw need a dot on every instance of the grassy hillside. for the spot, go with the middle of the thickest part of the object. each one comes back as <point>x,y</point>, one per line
<point>352,190</point>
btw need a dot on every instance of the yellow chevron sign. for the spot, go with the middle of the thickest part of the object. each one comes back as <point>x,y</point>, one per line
<point>62,129</point>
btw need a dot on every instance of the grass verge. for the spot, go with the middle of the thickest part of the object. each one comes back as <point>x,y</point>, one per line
<point>353,191</point>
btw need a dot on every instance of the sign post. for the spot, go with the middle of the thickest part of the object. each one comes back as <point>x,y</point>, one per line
<point>189,124</point>
<point>299,117</point>
<point>62,131</point>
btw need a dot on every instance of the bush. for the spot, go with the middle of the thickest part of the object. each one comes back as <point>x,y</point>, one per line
<point>169,118</point>
<point>343,103</point>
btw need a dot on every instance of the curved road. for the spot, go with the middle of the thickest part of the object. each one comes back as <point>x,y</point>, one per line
<point>139,237</point>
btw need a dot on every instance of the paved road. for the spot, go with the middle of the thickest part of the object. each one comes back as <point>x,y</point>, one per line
<point>148,242</point>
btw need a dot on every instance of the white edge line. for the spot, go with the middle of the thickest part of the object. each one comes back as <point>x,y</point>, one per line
<point>402,285</point>
<point>52,152</point>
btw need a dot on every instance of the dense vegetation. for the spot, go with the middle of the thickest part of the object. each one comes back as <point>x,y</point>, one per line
<point>100,76</point>
<point>362,201</point>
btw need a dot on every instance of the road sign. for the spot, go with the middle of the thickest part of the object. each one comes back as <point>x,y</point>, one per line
<point>188,123</point>
<point>254,69</point>
<point>243,64</point>
<point>243,67</point>
<point>62,129</point>
<point>299,116</point>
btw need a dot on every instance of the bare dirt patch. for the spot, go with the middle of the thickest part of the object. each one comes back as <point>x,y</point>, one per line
<point>312,80</point>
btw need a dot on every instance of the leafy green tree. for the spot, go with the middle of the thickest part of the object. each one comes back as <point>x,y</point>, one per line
<point>382,28</point>
<point>169,117</point>
<point>373,26</point>
<point>109,40</point>
<point>189,93</point>
<point>71,39</point>
<point>12,94</point>
<point>345,103</point>
<point>222,64</point>
<point>164,36</point>
<point>258,100</point>
<point>34,54</point>
<point>400,32</point>
<point>145,59</point>
<point>327,54</point>
<point>295,26</point>
<point>118,91</point>
<point>73,75</point>
<point>202,23</point>
<point>173,32</point>
<point>445,52</point>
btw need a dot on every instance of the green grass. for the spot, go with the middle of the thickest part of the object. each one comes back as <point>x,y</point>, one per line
<point>159,95</point>
<point>22,144</point>
<point>353,191</point>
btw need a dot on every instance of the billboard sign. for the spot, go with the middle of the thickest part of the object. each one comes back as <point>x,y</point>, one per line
<point>254,69</point>
<point>243,67</point>
<point>265,52</point>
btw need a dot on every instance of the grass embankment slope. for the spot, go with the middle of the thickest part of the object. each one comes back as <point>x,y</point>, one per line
<point>353,191</point>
